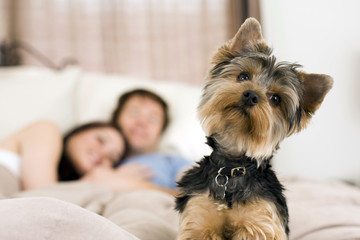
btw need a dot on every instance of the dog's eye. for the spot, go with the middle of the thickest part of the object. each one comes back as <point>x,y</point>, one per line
<point>275,99</point>
<point>243,76</point>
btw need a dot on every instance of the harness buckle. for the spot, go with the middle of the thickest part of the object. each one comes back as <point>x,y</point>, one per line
<point>237,171</point>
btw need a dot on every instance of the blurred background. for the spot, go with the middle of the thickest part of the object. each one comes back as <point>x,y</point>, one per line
<point>173,40</point>
<point>158,39</point>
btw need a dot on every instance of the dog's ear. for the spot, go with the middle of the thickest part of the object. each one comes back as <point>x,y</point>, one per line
<point>248,36</point>
<point>315,87</point>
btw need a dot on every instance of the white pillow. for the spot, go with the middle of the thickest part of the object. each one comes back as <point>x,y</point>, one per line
<point>98,95</point>
<point>28,94</point>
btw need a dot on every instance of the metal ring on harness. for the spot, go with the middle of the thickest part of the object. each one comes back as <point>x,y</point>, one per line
<point>221,185</point>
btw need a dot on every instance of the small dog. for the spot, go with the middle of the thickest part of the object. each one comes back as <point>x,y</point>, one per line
<point>250,103</point>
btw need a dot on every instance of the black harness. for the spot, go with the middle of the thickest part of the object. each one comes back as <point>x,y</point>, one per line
<point>225,174</point>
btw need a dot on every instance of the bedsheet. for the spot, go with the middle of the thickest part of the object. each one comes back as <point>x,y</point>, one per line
<point>140,214</point>
<point>318,210</point>
<point>49,218</point>
<point>322,210</point>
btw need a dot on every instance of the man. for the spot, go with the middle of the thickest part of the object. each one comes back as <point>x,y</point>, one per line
<point>143,117</point>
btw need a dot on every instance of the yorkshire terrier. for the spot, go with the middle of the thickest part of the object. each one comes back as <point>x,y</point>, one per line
<point>250,103</point>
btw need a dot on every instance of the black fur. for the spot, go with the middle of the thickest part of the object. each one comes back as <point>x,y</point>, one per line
<point>257,182</point>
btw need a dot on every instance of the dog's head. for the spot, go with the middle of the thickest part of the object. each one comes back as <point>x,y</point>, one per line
<point>251,102</point>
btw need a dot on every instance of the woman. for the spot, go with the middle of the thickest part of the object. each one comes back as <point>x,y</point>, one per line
<point>40,156</point>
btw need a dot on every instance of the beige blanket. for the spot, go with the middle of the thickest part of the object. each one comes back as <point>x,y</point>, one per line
<point>318,210</point>
<point>78,210</point>
<point>48,218</point>
<point>322,210</point>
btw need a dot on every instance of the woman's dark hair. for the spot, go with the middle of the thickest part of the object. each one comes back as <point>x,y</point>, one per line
<point>66,169</point>
<point>143,93</point>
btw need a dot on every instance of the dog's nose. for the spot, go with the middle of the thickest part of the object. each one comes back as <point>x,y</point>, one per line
<point>250,98</point>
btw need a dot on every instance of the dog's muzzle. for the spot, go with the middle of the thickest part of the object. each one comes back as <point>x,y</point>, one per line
<point>250,98</point>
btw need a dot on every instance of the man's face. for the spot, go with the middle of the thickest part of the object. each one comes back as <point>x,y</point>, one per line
<point>141,121</point>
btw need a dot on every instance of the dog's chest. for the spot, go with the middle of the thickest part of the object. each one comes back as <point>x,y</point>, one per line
<point>221,207</point>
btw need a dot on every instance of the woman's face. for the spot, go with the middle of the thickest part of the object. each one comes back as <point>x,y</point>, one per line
<point>141,121</point>
<point>94,147</point>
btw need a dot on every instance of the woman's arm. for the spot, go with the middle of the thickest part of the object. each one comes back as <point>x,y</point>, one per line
<point>116,181</point>
<point>39,147</point>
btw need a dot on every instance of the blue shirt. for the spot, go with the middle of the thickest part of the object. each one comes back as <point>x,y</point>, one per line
<point>165,167</point>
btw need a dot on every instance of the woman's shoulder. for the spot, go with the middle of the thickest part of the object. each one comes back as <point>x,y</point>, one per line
<point>45,125</point>
<point>33,131</point>
<point>43,129</point>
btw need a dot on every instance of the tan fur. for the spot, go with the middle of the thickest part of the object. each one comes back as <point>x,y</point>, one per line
<point>201,219</point>
<point>256,220</point>
<point>206,219</point>
<point>256,133</point>
<point>251,128</point>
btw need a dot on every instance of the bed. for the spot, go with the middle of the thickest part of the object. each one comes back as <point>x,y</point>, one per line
<point>318,209</point>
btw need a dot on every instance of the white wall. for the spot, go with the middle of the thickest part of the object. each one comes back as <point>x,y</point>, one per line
<point>323,36</point>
